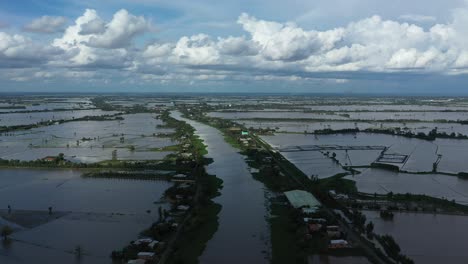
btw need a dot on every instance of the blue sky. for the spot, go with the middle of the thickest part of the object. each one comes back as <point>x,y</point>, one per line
<point>351,46</point>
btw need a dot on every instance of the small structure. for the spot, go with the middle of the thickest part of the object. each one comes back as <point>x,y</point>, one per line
<point>303,199</point>
<point>153,244</point>
<point>183,207</point>
<point>314,227</point>
<point>234,129</point>
<point>338,243</point>
<point>179,176</point>
<point>136,261</point>
<point>245,133</point>
<point>49,158</point>
<point>143,241</point>
<point>146,255</point>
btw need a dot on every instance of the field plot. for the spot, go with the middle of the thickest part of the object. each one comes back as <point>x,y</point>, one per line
<point>436,185</point>
<point>40,104</point>
<point>444,236</point>
<point>16,119</point>
<point>295,126</point>
<point>114,211</point>
<point>134,138</point>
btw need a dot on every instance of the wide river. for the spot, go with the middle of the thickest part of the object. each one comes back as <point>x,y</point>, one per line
<point>243,232</point>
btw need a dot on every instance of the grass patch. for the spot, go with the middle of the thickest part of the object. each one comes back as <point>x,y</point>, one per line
<point>339,184</point>
<point>231,140</point>
<point>173,148</point>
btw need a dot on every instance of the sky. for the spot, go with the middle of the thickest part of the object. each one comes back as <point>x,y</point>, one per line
<point>302,46</point>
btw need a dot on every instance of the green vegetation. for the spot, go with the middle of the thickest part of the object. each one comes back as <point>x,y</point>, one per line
<point>338,184</point>
<point>285,237</point>
<point>201,224</point>
<point>6,232</point>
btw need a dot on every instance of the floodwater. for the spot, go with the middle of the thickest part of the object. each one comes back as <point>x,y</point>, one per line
<point>422,153</point>
<point>15,119</point>
<point>346,116</point>
<point>311,126</point>
<point>327,259</point>
<point>243,231</point>
<point>383,181</point>
<point>100,215</point>
<point>426,238</point>
<point>138,130</point>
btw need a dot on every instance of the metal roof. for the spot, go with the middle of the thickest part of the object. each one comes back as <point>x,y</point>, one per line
<point>299,198</point>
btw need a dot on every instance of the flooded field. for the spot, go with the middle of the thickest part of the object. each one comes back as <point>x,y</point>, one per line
<point>40,104</point>
<point>351,116</point>
<point>99,215</point>
<point>421,153</point>
<point>426,238</point>
<point>15,119</point>
<point>310,127</point>
<point>383,181</point>
<point>90,141</point>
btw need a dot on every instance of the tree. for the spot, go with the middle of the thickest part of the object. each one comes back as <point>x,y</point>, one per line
<point>6,232</point>
<point>50,210</point>
<point>369,227</point>
<point>78,251</point>
<point>160,211</point>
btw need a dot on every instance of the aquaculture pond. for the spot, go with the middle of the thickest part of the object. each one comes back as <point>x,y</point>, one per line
<point>134,138</point>
<point>437,185</point>
<point>311,126</point>
<point>98,215</point>
<point>421,153</point>
<point>426,238</point>
<point>44,104</point>
<point>243,231</point>
<point>15,119</point>
<point>349,116</point>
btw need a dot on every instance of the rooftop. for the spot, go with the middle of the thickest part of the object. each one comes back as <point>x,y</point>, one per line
<point>299,198</point>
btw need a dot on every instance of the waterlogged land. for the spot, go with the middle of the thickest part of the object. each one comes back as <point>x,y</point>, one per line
<point>98,215</point>
<point>357,155</point>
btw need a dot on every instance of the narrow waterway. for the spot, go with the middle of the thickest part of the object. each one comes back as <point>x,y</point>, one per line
<point>243,232</point>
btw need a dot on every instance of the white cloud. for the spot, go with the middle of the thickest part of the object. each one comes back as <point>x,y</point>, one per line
<point>237,46</point>
<point>269,50</point>
<point>46,24</point>
<point>95,26</point>
<point>195,50</point>
<point>288,42</point>
<point>120,31</point>
<point>83,55</point>
<point>20,51</point>
<point>418,18</point>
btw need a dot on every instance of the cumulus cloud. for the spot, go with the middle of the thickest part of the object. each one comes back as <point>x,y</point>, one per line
<point>95,26</point>
<point>288,41</point>
<point>17,51</point>
<point>365,47</point>
<point>108,54</point>
<point>120,31</point>
<point>46,25</point>
<point>199,49</point>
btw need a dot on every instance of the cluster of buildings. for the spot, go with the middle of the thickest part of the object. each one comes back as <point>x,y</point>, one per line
<point>148,248</point>
<point>310,206</point>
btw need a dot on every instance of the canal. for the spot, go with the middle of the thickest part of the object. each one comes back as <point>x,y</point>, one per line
<point>243,232</point>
